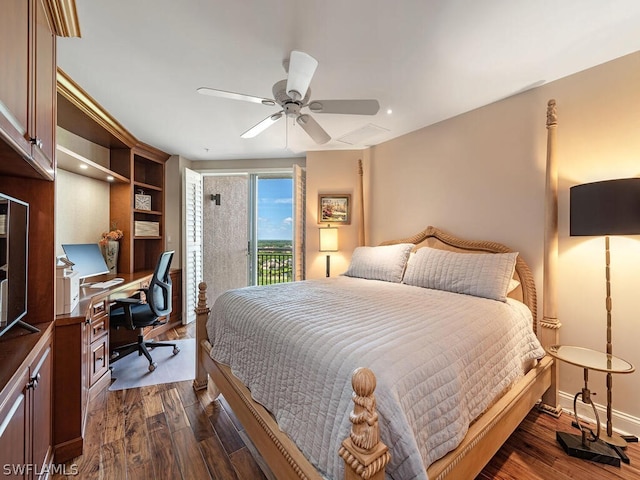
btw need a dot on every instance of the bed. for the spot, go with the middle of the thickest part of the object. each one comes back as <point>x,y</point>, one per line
<point>344,444</point>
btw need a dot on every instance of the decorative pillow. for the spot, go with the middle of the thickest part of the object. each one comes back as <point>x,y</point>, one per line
<point>385,262</point>
<point>480,274</point>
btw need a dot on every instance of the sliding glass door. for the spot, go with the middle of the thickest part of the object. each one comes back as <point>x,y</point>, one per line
<point>271,229</point>
<point>252,229</point>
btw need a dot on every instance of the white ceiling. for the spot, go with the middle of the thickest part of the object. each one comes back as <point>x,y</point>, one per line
<point>426,60</point>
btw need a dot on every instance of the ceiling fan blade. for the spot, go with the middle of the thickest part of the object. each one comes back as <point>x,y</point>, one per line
<point>302,66</point>
<point>262,125</point>
<point>313,128</point>
<point>353,107</point>
<point>235,96</point>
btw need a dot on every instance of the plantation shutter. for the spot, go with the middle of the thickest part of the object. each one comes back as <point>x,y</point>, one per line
<point>192,241</point>
<point>299,196</point>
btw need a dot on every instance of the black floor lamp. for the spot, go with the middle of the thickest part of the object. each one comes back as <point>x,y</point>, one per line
<point>606,208</point>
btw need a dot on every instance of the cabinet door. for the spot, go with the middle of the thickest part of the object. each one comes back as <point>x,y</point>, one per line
<point>44,91</point>
<point>13,431</point>
<point>14,65</point>
<point>40,386</point>
<point>99,359</point>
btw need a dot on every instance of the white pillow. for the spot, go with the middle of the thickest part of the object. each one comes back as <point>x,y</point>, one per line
<point>386,262</point>
<point>480,274</point>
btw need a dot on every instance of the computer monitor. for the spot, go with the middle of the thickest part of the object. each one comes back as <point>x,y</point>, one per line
<point>87,259</point>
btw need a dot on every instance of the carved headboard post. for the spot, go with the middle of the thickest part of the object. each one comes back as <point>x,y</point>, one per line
<point>550,326</point>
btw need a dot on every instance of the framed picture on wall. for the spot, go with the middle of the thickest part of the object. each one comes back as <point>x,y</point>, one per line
<point>334,208</point>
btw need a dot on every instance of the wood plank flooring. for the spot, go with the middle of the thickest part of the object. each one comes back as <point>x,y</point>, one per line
<point>171,432</point>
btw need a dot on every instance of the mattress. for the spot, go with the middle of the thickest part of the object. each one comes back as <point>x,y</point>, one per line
<point>440,360</point>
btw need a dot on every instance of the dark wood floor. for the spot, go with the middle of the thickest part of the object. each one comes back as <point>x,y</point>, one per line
<point>170,432</point>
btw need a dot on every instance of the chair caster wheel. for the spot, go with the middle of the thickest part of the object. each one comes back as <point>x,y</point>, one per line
<point>152,366</point>
<point>176,350</point>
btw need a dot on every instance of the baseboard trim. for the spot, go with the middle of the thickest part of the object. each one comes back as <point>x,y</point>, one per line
<point>623,423</point>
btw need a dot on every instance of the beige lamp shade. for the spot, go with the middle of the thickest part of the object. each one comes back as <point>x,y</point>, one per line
<point>329,239</point>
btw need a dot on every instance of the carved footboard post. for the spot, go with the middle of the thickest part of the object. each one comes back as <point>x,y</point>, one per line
<point>550,325</point>
<point>202,314</point>
<point>364,455</point>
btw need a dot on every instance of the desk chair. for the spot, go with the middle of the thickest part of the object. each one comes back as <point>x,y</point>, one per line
<point>135,314</point>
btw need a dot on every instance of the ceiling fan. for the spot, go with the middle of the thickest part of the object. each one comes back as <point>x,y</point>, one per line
<point>293,94</point>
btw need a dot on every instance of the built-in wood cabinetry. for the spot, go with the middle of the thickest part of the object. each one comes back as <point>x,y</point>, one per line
<point>81,369</point>
<point>25,404</point>
<point>28,86</point>
<point>27,171</point>
<point>134,166</point>
<point>83,337</point>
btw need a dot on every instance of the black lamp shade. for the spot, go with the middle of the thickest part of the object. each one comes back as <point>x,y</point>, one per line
<point>610,207</point>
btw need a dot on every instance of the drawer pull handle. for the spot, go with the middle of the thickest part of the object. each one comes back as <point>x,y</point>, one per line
<point>37,142</point>
<point>33,384</point>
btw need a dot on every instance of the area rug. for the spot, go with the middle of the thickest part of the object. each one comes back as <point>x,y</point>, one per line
<point>133,370</point>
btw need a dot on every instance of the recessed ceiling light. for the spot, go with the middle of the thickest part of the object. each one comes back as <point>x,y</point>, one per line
<point>110,178</point>
<point>84,166</point>
<point>389,111</point>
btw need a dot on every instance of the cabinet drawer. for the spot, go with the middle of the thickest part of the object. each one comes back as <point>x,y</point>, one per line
<point>99,310</point>
<point>98,327</point>
<point>98,361</point>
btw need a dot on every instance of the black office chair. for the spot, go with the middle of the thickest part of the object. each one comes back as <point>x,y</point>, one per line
<point>135,314</point>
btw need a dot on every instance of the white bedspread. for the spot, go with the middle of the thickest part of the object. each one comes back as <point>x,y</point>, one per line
<point>440,359</point>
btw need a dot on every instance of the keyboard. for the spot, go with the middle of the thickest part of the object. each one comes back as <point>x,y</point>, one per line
<point>108,283</point>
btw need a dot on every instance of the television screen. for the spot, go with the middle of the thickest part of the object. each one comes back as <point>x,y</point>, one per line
<point>87,259</point>
<point>14,232</point>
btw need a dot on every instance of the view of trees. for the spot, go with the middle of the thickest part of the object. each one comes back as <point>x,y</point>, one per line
<point>275,261</point>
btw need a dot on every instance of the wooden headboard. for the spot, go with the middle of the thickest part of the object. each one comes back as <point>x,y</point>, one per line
<point>435,238</point>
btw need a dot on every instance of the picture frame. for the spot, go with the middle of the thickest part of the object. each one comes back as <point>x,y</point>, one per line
<point>334,208</point>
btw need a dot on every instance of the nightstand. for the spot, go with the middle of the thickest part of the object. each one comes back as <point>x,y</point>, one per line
<point>591,445</point>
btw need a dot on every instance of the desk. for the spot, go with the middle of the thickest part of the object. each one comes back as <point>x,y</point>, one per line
<point>81,360</point>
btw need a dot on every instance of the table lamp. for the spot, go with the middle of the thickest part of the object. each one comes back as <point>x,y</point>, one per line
<point>328,243</point>
<point>606,208</point>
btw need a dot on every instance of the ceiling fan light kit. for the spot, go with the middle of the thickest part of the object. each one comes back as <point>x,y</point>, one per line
<point>293,94</point>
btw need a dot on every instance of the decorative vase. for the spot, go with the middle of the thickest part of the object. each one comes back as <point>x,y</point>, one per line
<point>110,252</point>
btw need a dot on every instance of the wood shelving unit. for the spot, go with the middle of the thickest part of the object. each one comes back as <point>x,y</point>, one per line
<point>134,166</point>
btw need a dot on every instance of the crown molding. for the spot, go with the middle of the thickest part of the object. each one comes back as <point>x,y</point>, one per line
<point>85,103</point>
<point>63,17</point>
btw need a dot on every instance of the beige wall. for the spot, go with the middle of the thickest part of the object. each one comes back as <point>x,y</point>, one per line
<point>481,175</point>
<point>174,168</point>
<point>331,172</point>
<point>82,209</point>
